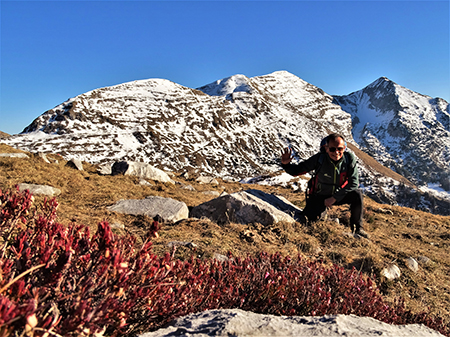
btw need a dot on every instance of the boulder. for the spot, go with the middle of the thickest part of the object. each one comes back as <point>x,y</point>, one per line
<point>391,272</point>
<point>237,322</point>
<point>246,207</point>
<point>14,155</point>
<point>75,164</point>
<point>141,170</point>
<point>40,189</point>
<point>170,210</point>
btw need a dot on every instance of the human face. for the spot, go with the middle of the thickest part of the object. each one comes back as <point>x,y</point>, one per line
<point>338,146</point>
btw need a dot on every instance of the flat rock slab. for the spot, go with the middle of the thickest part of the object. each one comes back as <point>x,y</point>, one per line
<point>14,155</point>
<point>236,322</point>
<point>169,209</point>
<point>40,189</point>
<point>246,207</point>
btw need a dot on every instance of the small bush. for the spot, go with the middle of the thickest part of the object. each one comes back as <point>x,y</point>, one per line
<point>65,281</point>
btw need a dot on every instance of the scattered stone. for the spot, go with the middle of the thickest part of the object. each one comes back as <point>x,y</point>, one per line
<point>40,189</point>
<point>385,211</point>
<point>75,164</point>
<point>187,187</point>
<point>181,244</point>
<point>117,225</point>
<point>141,170</point>
<point>335,220</point>
<point>169,209</point>
<point>43,156</point>
<point>246,207</point>
<point>213,193</point>
<point>237,322</point>
<point>220,257</point>
<point>145,183</point>
<point>207,180</point>
<point>391,272</point>
<point>104,169</point>
<point>14,155</point>
<point>412,264</point>
<point>423,260</point>
<point>185,175</point>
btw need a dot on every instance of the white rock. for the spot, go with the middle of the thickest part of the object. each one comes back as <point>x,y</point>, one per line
<point>76,164</point>
<point>40,189</point>
<point>207,180</point>
<point>14,155</point>
<point>141,170</point>
<point>236,322</point>
<point>412,264</point>
<point>391,272</point>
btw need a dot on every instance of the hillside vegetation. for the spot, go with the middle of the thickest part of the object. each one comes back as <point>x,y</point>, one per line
<point>396,233</point>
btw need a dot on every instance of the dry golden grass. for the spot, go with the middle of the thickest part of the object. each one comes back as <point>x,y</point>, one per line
<point>396,233</point>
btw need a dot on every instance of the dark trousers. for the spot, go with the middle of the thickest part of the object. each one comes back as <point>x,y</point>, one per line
<point>315,206</point>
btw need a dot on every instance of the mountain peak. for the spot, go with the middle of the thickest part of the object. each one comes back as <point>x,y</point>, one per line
<point>228,85</point>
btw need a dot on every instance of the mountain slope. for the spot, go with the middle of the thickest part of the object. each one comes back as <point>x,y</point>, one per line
<point>239,133</point>
<point>402,129</point>
<point>236,128</point>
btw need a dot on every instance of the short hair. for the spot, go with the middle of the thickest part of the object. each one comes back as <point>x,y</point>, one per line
<point>334,137</point>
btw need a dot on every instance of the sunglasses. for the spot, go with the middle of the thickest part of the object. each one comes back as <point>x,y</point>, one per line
<point>334,149</point>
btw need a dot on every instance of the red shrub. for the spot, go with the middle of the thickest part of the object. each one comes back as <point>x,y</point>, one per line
<point>63,280</point>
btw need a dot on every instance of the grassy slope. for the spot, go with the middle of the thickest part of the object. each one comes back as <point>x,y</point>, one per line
<point>396,233</point>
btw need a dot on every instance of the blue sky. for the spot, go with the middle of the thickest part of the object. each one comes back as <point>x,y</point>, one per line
<point>54,50</point>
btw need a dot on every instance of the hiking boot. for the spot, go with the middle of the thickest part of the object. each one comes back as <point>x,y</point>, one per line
<point>361,233</point>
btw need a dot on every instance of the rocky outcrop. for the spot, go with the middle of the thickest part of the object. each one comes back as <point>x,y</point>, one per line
<point>236,322</point>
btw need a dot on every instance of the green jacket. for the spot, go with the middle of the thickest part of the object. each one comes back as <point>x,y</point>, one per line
<point>332,178</point>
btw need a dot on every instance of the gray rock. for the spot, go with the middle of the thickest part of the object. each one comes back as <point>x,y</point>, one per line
<point>423,260</point>
<point>169,209</point>
<point>40,189</point>
<point>14,155</point>
<point>412,264</point>
<point>75,164</point>
<point>141,170</point>
<point>246,207</point>
<point>236,322</point>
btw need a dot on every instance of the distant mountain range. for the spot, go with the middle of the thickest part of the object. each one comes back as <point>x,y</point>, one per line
<point>236,127</point>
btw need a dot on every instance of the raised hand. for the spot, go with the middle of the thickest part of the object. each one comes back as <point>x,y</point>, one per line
<point>286,155</point>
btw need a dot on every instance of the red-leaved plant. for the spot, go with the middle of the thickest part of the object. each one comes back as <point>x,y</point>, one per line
<point>58,280</point>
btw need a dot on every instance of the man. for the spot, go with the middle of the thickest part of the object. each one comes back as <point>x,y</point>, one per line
<point>335,181</point>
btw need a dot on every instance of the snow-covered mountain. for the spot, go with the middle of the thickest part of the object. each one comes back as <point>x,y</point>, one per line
<point>402,129</point>
<point>233,128</point>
